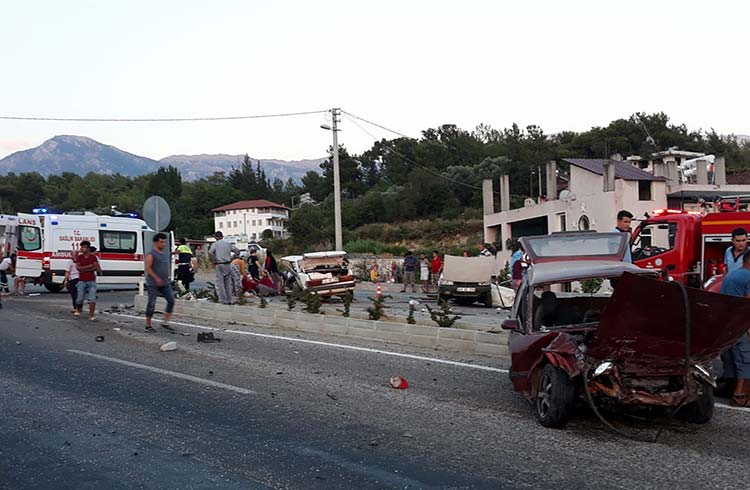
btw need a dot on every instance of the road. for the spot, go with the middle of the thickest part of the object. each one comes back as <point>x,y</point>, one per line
<point>256,411</point>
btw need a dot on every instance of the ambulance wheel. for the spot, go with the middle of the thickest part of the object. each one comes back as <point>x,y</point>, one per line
<point>53,287</point>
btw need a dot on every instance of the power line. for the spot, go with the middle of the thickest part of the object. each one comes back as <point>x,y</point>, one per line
<point>427,169</point>
<point>377,125</point>
<point>159,119</point>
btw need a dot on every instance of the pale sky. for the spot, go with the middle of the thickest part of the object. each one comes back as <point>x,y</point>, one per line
<point>408,64</point>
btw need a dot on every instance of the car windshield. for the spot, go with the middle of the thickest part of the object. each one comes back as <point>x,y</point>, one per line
<point>564,305</point>
<point>593,246</point>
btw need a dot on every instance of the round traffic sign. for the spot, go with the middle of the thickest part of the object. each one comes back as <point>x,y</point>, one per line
<point>156,213</point>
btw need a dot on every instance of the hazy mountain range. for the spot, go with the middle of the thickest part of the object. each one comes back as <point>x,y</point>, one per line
<point>80,155</point>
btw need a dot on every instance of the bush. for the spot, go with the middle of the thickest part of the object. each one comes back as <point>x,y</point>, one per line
<point>591,286</point>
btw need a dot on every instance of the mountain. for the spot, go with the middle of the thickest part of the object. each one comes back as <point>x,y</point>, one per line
<point>196,166</point>
<point>76,154</point>
<point>80,155</point>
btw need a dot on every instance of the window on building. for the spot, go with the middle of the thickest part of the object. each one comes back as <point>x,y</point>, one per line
<point>235,224</point>
<point>221,224</point>
<point>654,239</point>
<point>563,221</point>
<point>117,241</point>
<point>644,190</point>
<point>583,223</point>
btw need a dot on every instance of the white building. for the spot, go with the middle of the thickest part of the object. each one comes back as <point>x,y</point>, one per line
<point>599,188</point>
<point>251,218</point>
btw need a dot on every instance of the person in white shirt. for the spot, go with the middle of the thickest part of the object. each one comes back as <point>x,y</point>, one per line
<point>6,267</point>
<point>71,281</point>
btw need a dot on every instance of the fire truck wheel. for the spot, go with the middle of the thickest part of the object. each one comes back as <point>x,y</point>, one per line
<point>52,287</point>
<point>556,396</point>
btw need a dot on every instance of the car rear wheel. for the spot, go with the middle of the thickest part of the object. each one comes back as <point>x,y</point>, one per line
<point>53,287</point>
<point>702,410</point>
<point>555,401</point>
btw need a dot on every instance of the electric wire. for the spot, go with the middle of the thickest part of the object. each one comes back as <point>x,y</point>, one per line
<point>160,119</point>
<point>401,155</point>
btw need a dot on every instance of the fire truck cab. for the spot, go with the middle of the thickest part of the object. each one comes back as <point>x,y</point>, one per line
<point>689,246</point>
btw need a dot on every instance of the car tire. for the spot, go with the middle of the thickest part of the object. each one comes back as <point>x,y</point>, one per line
<point>556,395</point>
<point>53,287</point>
<point>700,411</point>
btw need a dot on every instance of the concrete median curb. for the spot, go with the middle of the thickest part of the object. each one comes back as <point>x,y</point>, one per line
<point>468,341</point>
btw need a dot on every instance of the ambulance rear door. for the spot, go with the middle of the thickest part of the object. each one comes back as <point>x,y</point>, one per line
<point>29,246</point>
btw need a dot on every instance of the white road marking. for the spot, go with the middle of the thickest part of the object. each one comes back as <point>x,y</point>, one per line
<point>338,346</point>
<point>732,407</point>
<point>174,374</point>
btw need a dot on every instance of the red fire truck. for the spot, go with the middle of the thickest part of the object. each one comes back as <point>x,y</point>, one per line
<point>689,246</point>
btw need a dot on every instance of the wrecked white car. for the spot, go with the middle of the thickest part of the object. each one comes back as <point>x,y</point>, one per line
<point>326,273</point>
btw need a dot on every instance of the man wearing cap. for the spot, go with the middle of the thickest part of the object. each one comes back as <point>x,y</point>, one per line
<point>220,254</point>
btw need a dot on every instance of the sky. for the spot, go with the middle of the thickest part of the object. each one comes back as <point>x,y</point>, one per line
<point>407,65</point>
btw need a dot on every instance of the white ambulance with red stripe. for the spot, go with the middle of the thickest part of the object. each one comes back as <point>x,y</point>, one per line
<point>45,243</point>
<point>8,227</point>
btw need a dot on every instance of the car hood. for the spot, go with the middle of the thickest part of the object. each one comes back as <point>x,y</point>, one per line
<point>644,322</point>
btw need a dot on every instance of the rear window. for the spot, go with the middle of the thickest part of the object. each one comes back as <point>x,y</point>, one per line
<point>29,238</point>
<point>118,241</point>
<point>588,245</point>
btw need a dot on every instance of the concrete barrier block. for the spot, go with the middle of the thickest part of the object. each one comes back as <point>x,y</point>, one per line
<point>286,314</point>
<point>361,324</point>
<point>492,338</point>
<point>455,345</point>
<point>363,333</point>
<point>395,337</point>
<point>491,350</point>
<point>422,341</point>
<point>422,330</point>
<point>308,325</point>
<point>340,321</point>
<point>334,329</point>
<point>452,333</point>
<point>390,327</point>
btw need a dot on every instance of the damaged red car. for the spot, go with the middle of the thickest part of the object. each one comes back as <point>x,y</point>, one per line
<point>587,326</point>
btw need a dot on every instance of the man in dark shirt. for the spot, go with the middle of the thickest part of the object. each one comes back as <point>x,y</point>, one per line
<point>410,267</point>
<point>736,360</point>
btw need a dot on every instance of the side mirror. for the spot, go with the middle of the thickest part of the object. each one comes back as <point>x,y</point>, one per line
<point>510,325</point>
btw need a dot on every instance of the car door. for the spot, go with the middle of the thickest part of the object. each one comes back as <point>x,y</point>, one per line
<point>29,249</point>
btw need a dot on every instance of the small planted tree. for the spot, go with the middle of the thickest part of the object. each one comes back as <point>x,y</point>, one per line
<point>591,286</point>
<point>410,318</point>
<point>291,300</point>
<point>263,302</point>
<point>348,298</point>
<point>443,316</point>
<point>377,310</point>
<point>312,302</point>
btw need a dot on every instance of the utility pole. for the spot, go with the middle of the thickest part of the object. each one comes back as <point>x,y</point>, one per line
<point>335,116</point>
<point>334,128</point>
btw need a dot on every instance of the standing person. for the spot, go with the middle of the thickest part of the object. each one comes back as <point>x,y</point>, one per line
<point>410,267</point>
<point>158,262</point>
<point>733,254</point>
<point>272,267</point>
<point>394,272</point>
<point>71,280</point>
<point>484,250</point>
<point>624,219</point>
<point>518,269</point>
<point>184,259</point>
<point>220,254</point>
<point>436,267</point>
<point>374,274</point>
<point>253,264</point>
<point>239,276</point>
<point>87,265</point>
<point>6,267</point>
<point>424,271</point>
<point>736,360</point>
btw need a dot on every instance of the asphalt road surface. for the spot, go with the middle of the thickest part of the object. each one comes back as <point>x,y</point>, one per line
<point>256,411</point>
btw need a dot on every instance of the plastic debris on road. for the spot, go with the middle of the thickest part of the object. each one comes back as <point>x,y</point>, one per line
<point>399,383</point>
<point>99,338</point>
<point>207,337</point>
<point>169,346</point>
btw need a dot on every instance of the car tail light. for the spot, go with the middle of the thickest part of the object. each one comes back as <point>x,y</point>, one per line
<point>46,263</point>
<point>315,282</point>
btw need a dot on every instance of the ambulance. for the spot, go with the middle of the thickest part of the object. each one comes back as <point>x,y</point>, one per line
<point>45,243</point>
<point>8,226</point>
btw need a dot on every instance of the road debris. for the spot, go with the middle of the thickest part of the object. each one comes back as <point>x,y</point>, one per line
<point>207,337</point>
<point>332,397</point>
<point>168,347</point>
<point>99,338</point>
<point>399,383</point>
<point>18,342</point>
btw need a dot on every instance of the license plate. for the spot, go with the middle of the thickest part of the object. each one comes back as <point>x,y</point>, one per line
<point>466,290</point>
<point>331,280</point>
